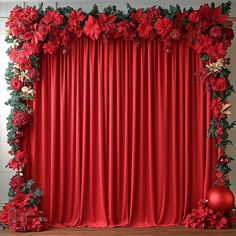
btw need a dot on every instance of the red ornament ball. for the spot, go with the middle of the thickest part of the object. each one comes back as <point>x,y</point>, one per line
<point>220,198</point>
<point>168,50</point>
<point>17,141</point>
<point>223,160</point>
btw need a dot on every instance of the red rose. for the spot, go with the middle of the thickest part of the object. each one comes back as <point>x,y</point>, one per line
<point>17,183</point>
<point>163,26</point>
<point>21,118</point>
<point>92,28</point>
<point>194,17</point>
<point>215,32</point>
<point>219,84</point>
<point>25,63</point>
<point>176,34</point>
<point>16,84</point>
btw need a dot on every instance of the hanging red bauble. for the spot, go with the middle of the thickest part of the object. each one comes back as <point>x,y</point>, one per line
<point>17,141</point>
<point>168,50</point>
<point>223,160</point>
<point>220,198</point>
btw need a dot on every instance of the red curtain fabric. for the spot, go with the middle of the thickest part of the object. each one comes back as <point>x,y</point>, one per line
<point>120,134</point>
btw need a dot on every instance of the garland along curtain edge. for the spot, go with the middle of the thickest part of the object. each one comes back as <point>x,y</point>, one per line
<point>30,31</point>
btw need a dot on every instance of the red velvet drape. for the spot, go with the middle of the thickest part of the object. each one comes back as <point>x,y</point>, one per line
<point>120,134</point>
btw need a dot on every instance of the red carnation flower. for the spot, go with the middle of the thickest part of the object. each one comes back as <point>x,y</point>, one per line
<point>16,84</point>
<point>19,161</point>
<point>92,28</point>
<point>194,17</point>
<point>53,18</point>
<point>163,26</point>
<point>17,183</point>
<point>219,85</point>
<point>21,118</point>
<point>215,32</point>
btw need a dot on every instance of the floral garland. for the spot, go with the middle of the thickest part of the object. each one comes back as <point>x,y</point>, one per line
<point>31,31</point>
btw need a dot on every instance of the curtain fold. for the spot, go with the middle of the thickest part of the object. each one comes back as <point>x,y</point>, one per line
<point>120,134</point>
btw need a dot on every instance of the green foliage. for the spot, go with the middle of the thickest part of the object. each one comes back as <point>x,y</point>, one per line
<point>28,186</point>
<point>11,193</point>
<point>94,12</point>
<point>226,7</point>
<point>205,57</point>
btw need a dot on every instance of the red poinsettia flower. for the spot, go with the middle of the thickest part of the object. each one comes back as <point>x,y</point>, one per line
<point>139,16</point>
<point>53,17</point>
<point>153,14</point>
<point>219,84</point>
<point>16,84</point>
<point>51,46</point>
<point>30,49</point>
<point>107,23</point>
<point>17,182</point>
<point>5,215</point>
<point>217,51</point>
<point>74,21</point>
<point>19,161</point>
<point>163,26</point>
<point>218,16</point>
<point>65,37</point>
<point>144,29</point>
<point>92,28</point>
<point>125,30</point>
<point>203,43</point>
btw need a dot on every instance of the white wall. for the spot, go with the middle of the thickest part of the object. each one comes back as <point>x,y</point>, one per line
<point>6,6</point>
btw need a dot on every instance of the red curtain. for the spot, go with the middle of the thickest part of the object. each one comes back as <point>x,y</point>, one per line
<point>120,134</point>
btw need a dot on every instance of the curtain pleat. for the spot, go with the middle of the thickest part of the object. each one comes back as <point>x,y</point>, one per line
<point>120,134</point>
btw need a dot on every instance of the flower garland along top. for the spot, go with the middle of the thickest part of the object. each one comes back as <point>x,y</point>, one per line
<point>31,31</point>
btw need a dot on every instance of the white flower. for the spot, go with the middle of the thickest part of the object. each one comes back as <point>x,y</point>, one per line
<point>216,66</point>
<point>25,89</point>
